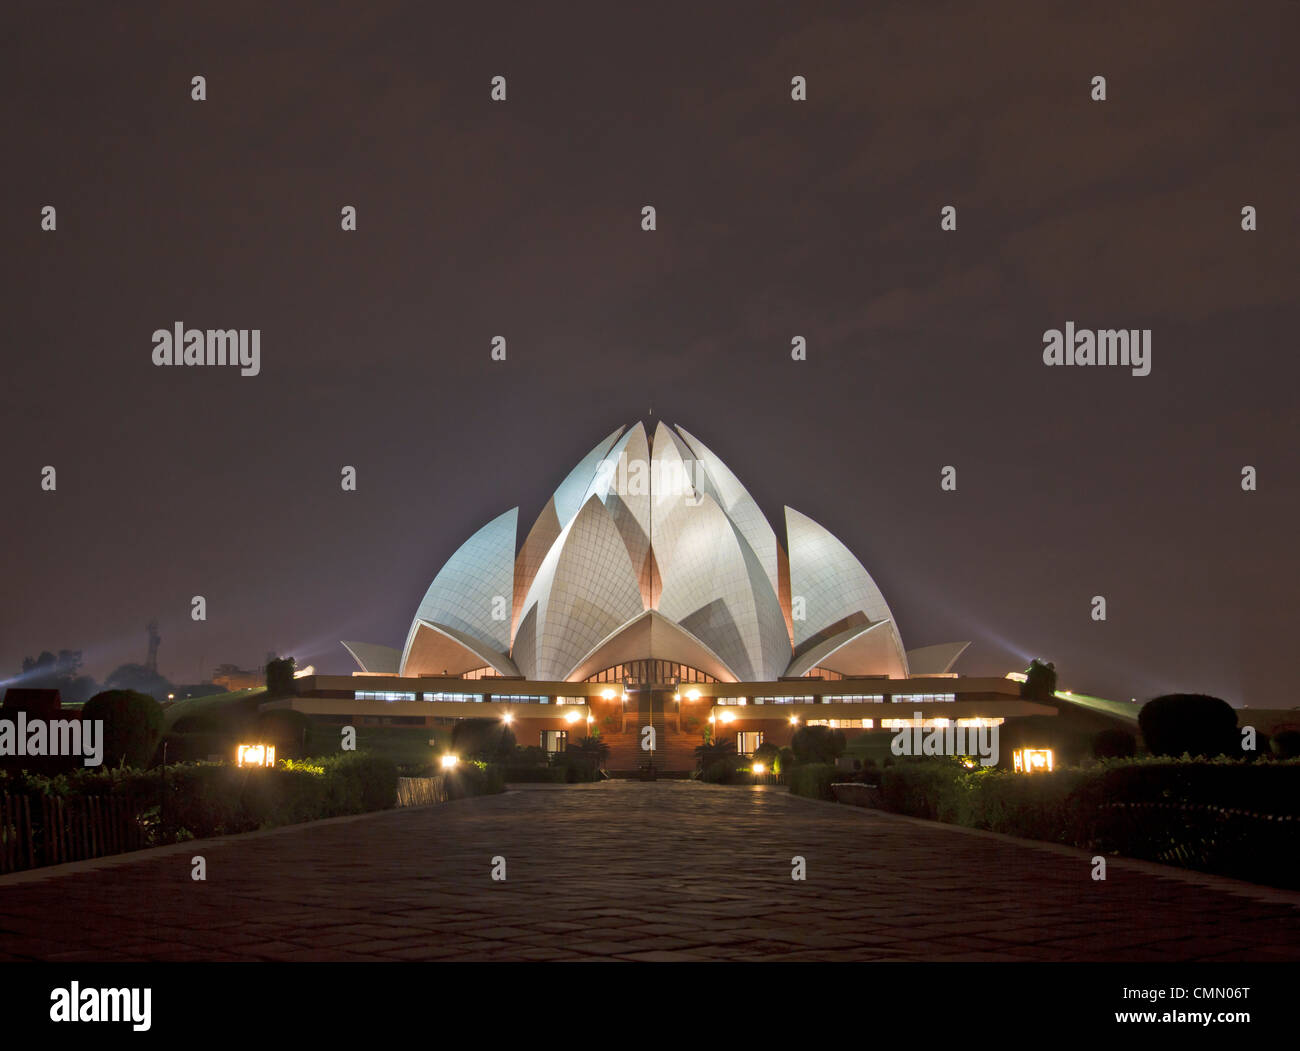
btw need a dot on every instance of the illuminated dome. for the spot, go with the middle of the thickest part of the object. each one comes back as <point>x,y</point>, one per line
<point>652,555</point>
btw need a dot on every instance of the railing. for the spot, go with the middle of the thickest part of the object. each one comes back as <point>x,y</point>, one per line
<point>65,829</point>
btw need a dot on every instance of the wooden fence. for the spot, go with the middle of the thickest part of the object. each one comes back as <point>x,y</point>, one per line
<point>48,830</point>
<point>421,791</point>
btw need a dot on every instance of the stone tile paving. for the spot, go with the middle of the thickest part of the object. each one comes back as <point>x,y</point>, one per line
<point>630,871</point>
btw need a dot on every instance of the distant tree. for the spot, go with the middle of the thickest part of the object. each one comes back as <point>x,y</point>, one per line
<point>140,679</point>
<point>279,677</point>
<point>1191,723</point>
<point>817,744</point>
<point>61,671</point>
<point>132,725</point>
<point>1040,681</point>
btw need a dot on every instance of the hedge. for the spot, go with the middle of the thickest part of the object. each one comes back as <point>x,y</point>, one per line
<point>814,780</point>
<point>187,801</point>
<point>1227,817</point>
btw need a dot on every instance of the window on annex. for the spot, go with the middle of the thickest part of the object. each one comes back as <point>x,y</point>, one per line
<point>747,741</point>
<point>555,740</point>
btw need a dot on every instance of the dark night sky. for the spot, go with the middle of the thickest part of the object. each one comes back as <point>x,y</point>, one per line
<point>775,219</point>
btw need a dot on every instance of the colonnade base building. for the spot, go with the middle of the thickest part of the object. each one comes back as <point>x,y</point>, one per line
<point>651,590</point>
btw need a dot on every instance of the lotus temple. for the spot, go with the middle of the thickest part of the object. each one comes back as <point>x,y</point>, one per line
<point>651,590</point>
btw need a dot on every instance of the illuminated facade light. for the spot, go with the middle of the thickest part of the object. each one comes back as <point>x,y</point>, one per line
<point>1032,760</point>
<point>607,694</point>
<point>255,755</point>
<point>728,717</point>
<point>507,718</point>
<point>794,720</point>
<point>572,717</point>
<point>692,695</point>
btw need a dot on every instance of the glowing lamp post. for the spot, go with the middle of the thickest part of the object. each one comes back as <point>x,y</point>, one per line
<point>255,755</point>
<point>1032,760</point>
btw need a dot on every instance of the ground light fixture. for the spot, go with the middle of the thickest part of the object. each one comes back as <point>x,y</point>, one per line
<point>449,761</point>
<point>759,768</point>
<point>255,755</point>
<point>1032,760</point>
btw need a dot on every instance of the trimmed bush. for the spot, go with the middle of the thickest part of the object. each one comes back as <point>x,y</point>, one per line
<point>814,779</point>
<point>1228,817</point>
<point>1189,724</point>
<point>132,725</point>
<point>185,801</point>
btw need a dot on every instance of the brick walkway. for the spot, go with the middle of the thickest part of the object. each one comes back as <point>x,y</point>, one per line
<point>663,871</point>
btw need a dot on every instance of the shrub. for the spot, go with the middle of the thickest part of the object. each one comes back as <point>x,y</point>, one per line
<point>1228,817</point>
<point>575,766</point>
<point>710,751</point>
<point>1189,724</point>
<point>731,769</point>
<point>367,782</point>
<point>1286,744</point>
<point>132,725</point>
<point>817,744</point>
<point>814,780</point>
<point>1115,743</point>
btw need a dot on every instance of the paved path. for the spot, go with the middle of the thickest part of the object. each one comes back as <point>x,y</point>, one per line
<point>663,871</point>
